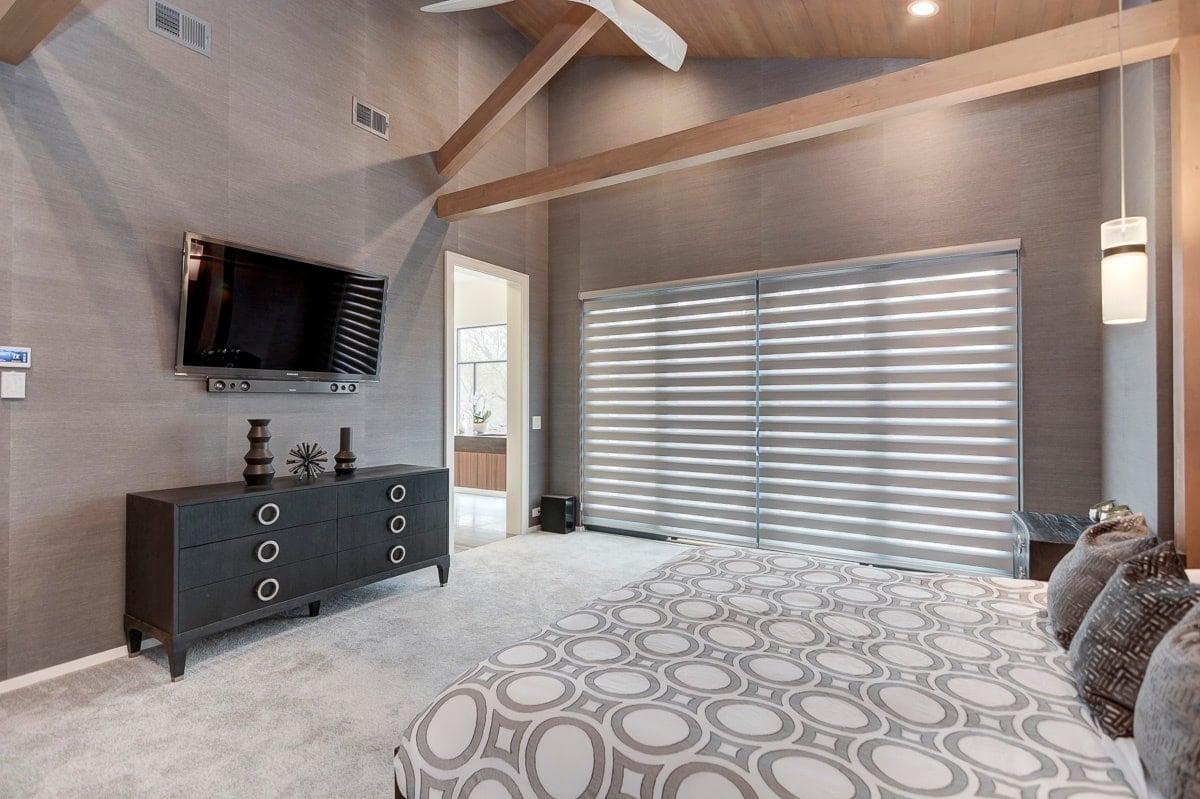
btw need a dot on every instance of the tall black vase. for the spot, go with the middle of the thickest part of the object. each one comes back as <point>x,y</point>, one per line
<point>345,459</point>
<point>259,471</point>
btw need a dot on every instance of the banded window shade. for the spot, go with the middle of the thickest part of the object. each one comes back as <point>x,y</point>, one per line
<point>889,412</point>
<point>864,412</point>
<point>668,407</point>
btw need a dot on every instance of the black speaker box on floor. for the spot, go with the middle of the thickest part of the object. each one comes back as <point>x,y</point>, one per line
<point>559,513</point>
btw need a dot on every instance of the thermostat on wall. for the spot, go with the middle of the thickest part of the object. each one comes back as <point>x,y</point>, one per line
<point>14,357</point>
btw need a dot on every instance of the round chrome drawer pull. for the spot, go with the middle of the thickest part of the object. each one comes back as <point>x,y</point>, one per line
<point>396,555</point>
<point>268,514</point>
<point>267,551</point>
<point>397,524</point>
<point>267,590</point>
<point>398,493</point>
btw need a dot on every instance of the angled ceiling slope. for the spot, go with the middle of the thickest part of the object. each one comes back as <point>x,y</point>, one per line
<point>823,28</point>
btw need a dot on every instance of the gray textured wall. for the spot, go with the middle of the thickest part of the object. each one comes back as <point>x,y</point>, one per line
<point>113,141</point>
<point>1019,166</point>
<point>1137,439</point>
<point>6,310</point>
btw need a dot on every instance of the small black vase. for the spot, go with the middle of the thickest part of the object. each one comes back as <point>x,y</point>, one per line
<point>345,459</point>
<point>259,471</point>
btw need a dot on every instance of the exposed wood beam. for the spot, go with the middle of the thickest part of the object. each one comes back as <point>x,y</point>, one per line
<point>24,24</point>
<point>1151,31</point>
<point>543,62</point>
<point>1185,213</point>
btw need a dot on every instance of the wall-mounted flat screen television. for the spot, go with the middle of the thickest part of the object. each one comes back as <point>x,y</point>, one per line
<point>246,312</point>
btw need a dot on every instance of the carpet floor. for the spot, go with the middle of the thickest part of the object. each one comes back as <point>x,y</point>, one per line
<point>292,706</point>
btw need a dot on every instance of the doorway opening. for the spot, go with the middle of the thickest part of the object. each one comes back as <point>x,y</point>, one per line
<point>487,384</point>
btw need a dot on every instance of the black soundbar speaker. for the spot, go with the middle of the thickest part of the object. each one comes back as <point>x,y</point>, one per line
<point>559,513</point>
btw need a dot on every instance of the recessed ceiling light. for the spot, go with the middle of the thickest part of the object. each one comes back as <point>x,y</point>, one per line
<point>922,8</point>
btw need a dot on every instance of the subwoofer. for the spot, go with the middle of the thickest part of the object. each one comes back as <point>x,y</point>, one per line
<point>559,513</point>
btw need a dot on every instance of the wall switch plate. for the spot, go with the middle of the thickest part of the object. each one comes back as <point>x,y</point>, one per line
<point>15,357</point>
<point>537,423</point>
<point>12,385</point>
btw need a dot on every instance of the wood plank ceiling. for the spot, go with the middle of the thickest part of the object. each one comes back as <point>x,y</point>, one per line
<point>823,28</point>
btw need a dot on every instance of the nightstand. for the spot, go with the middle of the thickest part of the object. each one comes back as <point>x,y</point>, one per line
<point>1040,540</point>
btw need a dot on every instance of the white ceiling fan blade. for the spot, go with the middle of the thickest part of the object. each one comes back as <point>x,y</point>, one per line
<point>462,5</point>
<point>647,31</point>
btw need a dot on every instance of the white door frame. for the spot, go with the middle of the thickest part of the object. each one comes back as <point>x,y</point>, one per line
<point>517,477</point>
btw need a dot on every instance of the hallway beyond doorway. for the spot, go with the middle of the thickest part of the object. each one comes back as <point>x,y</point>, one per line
<point>478,520</point>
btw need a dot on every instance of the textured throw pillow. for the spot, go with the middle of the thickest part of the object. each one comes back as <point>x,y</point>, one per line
<point>1166,724</point>
<point>1147,596</point>
<point>1082,574</point>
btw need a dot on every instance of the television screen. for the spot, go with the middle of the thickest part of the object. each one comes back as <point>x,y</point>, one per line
<point>252,313</point>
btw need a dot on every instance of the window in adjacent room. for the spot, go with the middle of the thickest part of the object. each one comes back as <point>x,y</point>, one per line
<point>483,378</point>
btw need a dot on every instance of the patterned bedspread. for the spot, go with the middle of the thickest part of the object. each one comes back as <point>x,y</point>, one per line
<point>731,673</point>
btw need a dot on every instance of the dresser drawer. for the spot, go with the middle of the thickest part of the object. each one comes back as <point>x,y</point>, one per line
<point>391,525</point>
<point>221,521</point>
<point>224,560</point>
<point>354,564</point>
<point>224,600</point>
<point>394,492</point>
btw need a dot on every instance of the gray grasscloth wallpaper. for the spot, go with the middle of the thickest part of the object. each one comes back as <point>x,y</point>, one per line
<point>6,309</point>
<point>113,141</point>
<point>1023,166</point>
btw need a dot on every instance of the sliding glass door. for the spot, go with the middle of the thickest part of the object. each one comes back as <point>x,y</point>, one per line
<point>889,413</point>
<point>668,408</point>
<point>861,412</point>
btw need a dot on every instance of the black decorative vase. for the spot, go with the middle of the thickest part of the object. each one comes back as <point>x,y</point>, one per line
<point>345,459</point>
<point>259,471</point>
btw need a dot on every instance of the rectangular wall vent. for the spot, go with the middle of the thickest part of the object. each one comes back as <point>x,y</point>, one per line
<point>177,25</point>
<point>371,119</point>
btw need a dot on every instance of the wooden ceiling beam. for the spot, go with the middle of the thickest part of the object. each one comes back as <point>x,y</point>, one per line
<point>545,61</point>
<point>1151,31</point>
<point>24,24</point>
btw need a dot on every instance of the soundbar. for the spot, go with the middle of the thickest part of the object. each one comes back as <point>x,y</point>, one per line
<point>223,385</point>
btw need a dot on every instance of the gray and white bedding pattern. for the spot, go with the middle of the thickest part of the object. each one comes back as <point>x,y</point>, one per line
<point>738,673</point>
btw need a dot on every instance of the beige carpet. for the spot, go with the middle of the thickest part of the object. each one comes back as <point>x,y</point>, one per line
<point>292,706</point>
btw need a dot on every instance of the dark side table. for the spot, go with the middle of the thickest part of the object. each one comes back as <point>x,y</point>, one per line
<point>1040,540</point>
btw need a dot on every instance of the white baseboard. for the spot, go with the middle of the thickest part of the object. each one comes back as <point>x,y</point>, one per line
<point>63,669</point>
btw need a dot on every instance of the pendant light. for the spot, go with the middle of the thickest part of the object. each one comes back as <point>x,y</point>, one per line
<point>1124,267</point>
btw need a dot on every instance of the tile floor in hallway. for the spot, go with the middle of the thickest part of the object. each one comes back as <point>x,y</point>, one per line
<point>478,520</point>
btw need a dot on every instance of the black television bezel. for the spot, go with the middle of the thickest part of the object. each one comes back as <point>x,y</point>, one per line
<point>184,370</point>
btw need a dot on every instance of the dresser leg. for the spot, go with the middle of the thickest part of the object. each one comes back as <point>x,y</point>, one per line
<point>134,641</point>
<point>314,608</point>
<point>176,659</point>
<point>443,568</point>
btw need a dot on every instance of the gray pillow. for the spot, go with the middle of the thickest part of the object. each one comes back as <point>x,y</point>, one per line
<point>1082,574</point>
<point>1166,725</point>
<point>1147,596</point>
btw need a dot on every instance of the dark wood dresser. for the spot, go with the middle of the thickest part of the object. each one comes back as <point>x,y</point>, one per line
<point>203,559</point>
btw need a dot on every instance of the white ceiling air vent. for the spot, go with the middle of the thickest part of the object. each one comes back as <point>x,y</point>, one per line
<point>180,26</point>
<point>371,119</point>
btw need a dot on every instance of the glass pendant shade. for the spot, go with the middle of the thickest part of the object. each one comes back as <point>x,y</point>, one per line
<point>1124,270</point>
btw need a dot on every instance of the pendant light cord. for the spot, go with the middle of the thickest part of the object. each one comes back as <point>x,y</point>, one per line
<point>1121,95</point>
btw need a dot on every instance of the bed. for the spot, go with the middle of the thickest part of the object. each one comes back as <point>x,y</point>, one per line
<point>742,673</point>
